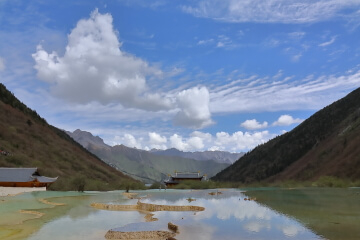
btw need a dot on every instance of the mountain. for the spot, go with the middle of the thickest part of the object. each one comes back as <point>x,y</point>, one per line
<point>326,144</point>
<point>143,165</point>
<point>86,139</point>
<point>32,142</point>
<point>217,156</point>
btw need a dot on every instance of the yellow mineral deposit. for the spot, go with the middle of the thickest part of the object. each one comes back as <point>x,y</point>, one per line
<point>130,195</point>
<point>147,208</point>
<point>50,203</point>
<point>174,228</point>
<point>37,214</point>
<point>140,235</point>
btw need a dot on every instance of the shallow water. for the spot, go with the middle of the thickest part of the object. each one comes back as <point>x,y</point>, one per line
<point>226,216</point>
<point>331,212</point>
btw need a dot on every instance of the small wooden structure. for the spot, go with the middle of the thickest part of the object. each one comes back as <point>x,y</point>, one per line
<point>183,176</point>
<point>23,177</point>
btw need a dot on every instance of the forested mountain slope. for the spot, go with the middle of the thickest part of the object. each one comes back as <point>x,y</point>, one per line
<point>326,144</point>
<point>31,142</point>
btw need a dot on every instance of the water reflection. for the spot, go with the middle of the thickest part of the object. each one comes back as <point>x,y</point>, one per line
<point>229,216</point>
<point>226,216</point>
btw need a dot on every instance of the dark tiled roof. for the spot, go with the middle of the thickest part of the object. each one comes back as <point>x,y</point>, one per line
<point>170,181</point>
<point>187,175</point>
<point>22,175</point>
<point>43,179</point>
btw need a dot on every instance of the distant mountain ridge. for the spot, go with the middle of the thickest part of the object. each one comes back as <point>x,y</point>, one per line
<point>144,165</point>
<point>326,144</point>
<point>31,142</point>
<point>86,139</point>
<point>217,156</point>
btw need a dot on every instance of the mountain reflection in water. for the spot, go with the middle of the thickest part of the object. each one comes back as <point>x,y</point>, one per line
<point>226,216</point>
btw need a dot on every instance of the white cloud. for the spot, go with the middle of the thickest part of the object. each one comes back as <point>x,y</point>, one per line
<point>240,141</point>
<point>128,140</point>
<point>206,137</point>
<point>286,120</point>
<point>331,41</point>
<point>256,94</point>
<point>273,11</point>
<point>291,230</point>
<point>223,141</point>
<point>194,105</point>
<point>205,42</point>
<point>296,58</point>
<point>253,124</point>
<point>157,141</point>
<point>195,141</point>
<point>191,144</point>
<point>94,68</point>
<point>2,64</point>
<point>297,35</point>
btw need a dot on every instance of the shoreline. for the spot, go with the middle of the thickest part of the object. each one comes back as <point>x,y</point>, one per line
<point>13,191</point>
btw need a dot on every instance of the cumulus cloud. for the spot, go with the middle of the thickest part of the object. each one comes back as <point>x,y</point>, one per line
<point>194,108</point>
<point>190,144</point>
<point>273,11</point>
<point>94,68</point>
<point>128,140</point>
<point>253,124</point>
<point>240,140</point>
<point>206,137</point>
<point>2,64</point>
<point>195,141</point>
<point>157,141</point>
<point>286,120</point>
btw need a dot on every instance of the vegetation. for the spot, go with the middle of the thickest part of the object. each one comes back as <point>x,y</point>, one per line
<point>325,144</point>
<point>149,167</point>
<point>32,142</point>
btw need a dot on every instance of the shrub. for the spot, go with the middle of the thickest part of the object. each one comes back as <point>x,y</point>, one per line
<point>330,181</point>
<point>78,183</point>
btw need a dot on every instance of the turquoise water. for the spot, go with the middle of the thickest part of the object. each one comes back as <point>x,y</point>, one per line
<point>226,216</point>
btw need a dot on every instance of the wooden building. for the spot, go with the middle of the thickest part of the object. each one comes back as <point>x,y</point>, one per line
<point>183,176</point>
<point>23,177</point>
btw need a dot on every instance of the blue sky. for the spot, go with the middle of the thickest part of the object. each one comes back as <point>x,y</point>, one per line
<point>195,75</point>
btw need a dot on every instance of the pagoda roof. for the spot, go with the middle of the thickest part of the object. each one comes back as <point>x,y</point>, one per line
<point>187,175</point>
<point>23,175</point>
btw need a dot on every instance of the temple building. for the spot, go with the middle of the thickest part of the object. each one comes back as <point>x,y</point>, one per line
<point>23,177</point>
<point>183,176</point>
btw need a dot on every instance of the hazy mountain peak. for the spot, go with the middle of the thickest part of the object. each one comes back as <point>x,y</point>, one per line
<point>86,139</point>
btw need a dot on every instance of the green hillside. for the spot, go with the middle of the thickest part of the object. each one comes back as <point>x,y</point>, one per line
<point>149,167</point>
<point>326,144</point>
<point>32,142</point>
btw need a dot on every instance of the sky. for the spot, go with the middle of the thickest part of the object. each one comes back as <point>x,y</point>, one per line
<point>194,75</point>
